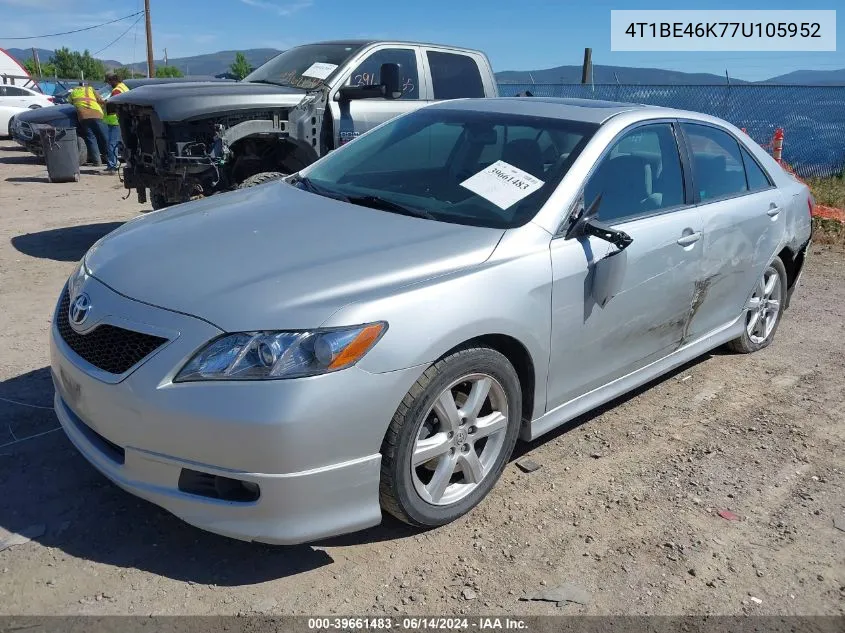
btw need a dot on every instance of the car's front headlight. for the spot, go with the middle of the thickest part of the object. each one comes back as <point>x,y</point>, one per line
<point>275,355</point>
<point>77,278</point>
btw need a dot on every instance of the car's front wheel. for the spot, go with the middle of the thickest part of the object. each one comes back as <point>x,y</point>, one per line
<point>763,310</point>
<point>451,437</point>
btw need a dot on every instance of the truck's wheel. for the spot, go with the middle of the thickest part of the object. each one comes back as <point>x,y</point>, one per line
<point>83,150</point>
<point>261,178</point>
<point>158,201</point>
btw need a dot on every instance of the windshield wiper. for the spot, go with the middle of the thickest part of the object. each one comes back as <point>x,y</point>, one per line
<point>373,202</point>
<point>377,202</point>
<point>267,81</point>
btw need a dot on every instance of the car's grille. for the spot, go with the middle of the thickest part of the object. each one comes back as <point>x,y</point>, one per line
<point>112,349</point>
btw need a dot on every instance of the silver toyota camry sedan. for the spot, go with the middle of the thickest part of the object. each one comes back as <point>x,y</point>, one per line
<point>375,333</point>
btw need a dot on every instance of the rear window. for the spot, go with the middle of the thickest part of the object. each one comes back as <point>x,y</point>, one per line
<point>454,76</point>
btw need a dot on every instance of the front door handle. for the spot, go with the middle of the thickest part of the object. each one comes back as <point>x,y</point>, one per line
<point>773,210</point>
<point>689,239</point>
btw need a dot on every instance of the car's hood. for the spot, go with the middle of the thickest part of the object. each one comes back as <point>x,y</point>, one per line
<point>49,114</point>
<point>190,100</point>
<point>276,257</point>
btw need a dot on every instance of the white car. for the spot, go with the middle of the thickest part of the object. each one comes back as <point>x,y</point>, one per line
<point>6,114</point>
<point>20,97</point>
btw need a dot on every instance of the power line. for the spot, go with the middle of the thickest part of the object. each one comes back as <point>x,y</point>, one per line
<point>119,37</point>
<point>87,28</point>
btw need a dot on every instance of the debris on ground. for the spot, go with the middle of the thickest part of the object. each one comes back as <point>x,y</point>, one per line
<point>468,594</point>
<point>756,600</point>
<point>527,465</point>
<point>561,594</point>
<point>727,514</point>
<point>839,523</point>
<point>10,539</point>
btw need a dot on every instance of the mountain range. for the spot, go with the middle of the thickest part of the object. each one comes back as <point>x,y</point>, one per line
<point>216,63</point>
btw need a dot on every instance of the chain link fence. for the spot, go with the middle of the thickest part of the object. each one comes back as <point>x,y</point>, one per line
<point>812,117</point>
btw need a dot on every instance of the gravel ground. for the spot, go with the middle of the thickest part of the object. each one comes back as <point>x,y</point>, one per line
<point>624,507</point>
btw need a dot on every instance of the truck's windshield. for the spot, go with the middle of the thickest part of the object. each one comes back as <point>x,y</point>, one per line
<point>305,67</point>
<point>461,166</point>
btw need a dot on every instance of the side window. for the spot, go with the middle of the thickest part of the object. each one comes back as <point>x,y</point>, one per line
<point>640,174</point>
<point>15,92</point>
<point>717,162</point>
<point>757,178</point>
<point>367,73</point>
<point>454,76</point>
<point>428,148</point>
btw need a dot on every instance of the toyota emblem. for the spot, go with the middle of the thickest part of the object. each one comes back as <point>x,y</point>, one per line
<point>79,309</point>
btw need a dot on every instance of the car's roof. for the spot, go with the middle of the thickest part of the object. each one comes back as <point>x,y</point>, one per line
<point>586,110</point>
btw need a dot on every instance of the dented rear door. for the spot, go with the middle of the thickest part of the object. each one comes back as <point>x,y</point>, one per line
<point>743,224</point>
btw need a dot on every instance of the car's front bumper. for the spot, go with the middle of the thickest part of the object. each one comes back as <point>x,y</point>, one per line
<point>311,445</point>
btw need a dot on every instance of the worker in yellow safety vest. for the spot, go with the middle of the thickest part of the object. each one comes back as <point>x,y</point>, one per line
<point>89,112</point>
<point>112,124</point>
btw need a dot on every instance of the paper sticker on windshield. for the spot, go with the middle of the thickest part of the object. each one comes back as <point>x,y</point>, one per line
<point>319,70</point>
<point>503,184</point>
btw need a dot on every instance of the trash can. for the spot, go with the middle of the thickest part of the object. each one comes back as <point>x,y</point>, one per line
<point>61,153</point>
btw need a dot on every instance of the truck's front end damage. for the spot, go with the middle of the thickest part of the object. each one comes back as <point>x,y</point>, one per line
<point>180,160</point>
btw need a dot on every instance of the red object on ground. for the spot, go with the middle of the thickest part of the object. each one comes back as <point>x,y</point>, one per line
<point>829,213</point>
<point>727,514</point>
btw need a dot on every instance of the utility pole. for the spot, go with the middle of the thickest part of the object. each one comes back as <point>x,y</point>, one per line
<point>151,71</point>
<point>37,61</point>
<point>587,68</point>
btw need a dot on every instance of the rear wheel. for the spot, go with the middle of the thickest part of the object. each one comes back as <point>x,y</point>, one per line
<point>82,148</point>
<point>261,178</point>
<point>763,310</point>
<point>451,438</point>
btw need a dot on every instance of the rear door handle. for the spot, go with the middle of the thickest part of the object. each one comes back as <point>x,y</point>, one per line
<point>689,239</point>
<point>773,210</point>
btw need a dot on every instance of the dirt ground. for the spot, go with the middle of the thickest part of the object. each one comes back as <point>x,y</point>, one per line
<point>625,504</point>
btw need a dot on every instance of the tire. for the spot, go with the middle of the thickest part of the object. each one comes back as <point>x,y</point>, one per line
<point>261,178</point>
<point>82,148</point>
<point>158,201</point>
<point>766,323</point>
<point>402,487</point>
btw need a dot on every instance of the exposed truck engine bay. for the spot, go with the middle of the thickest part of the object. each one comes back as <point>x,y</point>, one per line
<point>182,160</point>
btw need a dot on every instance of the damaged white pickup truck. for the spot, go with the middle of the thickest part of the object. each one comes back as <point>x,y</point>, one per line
<point>187,140</point>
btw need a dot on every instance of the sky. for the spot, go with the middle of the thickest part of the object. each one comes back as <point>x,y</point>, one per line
<point>516,35</point>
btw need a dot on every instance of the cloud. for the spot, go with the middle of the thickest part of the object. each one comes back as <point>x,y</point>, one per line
<point>283,9</point>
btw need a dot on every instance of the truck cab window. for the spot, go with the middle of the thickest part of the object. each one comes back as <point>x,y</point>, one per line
<point>367,73</point>
<point>455,76</point>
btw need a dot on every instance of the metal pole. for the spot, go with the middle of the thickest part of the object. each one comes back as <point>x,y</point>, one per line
<point>151,71</point>
<point>587,68</point>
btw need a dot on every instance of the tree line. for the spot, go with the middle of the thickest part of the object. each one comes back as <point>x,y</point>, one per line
<point>67,64</point>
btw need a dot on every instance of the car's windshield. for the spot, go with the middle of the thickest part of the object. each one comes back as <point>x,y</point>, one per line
<point>305,67</point>
<point>461,166</point>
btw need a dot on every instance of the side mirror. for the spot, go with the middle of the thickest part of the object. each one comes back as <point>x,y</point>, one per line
<point>585,224</point>
<point>391,80</point>
<point>389,88</point>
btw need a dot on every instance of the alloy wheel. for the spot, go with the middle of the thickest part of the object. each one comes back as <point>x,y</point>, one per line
<point>460,439</point>
<point>764,306</point>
